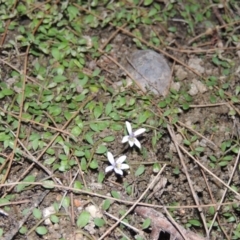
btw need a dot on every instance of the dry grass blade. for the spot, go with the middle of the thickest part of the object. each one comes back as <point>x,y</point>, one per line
<point>189,179</point>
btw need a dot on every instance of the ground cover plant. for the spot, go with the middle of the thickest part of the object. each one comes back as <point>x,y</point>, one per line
<point>86,155</point>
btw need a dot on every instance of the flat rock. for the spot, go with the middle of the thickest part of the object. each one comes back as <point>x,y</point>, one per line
<point>150,70</point>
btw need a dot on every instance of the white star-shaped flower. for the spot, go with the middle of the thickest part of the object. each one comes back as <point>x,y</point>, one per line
<point>117,165</point>
<point>131,138</point>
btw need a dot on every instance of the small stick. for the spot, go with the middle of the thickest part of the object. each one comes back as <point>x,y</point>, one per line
<point>172,134</point>
<point>124,223</point>
<point>225,191</point>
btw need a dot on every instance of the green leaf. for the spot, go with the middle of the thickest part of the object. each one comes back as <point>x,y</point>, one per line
<point>55,110</point>
<point>76,131</point>
<point>73,12</point>
<point>56,53</point>
<point>49,184</point>
<point>144,116</point>
<point>156,167</point>
<point>172,29</point>
<point>96,72</point>
<point>94,127</point>
<point>147,2</point>
<point>108,108</point>
<point>22,230</point>
<point>137,238</point>
<point>221,93</point>
<point>115,194</point>
<point>185,106</point>
<point>79,153</point>
<point>101,149</point>
<point>41,230</point>
<point>195,222</point>
<point>146,223</point>
<point>83,219</point>
<point>29,178</point>
<point>7,92</point>
<point>98,110</point>
<point>77,185</point>
<point>106,204</point>
<point>83,164</point>
<point>59,79</point>
<point>109,139</point>
<point>228,158</point>
<point>223,163</point>
<point>54,219</point>
<point>99,222</point>
<point>101,177</point>
<point>199,149</point>
<point>211,210</point>
<point>88,137</point>
<point>66,202</point>
<point>176,170</point>
<point>140,170</point>
<point>94,164</point>
<point>213,158</point>
<point>37,213</point>
<point>4,137</point>
<point>116,127</point>
<point>50,161</point>
<point>115,116</point>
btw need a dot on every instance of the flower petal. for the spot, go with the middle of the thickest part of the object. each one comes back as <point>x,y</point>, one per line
<point>110,158</point>
<point>109,168</point>
<point>121,159</point>
<point>129,127</point>
<point>139,131</point>
<point>125,139</point>
<point>124,166</point>
<point>131,143</point>
<point>137,143</point>
<point>118,171</point>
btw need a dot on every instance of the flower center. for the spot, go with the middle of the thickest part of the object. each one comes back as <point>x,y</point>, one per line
<point>119,166</point>
<point>132,138</point>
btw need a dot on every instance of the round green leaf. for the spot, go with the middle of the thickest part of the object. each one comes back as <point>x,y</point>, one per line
<point>83,219</point>
<point>66,202</point>
<point>77,184</point>
<point>99,222</point>
<point>146,224</point>
<point>54,219</point>
<point>76,131</point>
<point>94,164</point>
<point>49,184</point>
<point>41,230</point>
<point>37,213</point>
<point>22,230</point>
<point>101,149</point>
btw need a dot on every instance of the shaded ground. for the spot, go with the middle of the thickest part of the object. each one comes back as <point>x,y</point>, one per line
<point>74,111</point>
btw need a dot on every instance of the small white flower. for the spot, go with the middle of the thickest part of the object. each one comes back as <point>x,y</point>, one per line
<point>118,165</point>
<point>131,138</point>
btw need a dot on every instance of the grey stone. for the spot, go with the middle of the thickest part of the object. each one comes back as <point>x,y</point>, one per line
<point>150,70</point>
